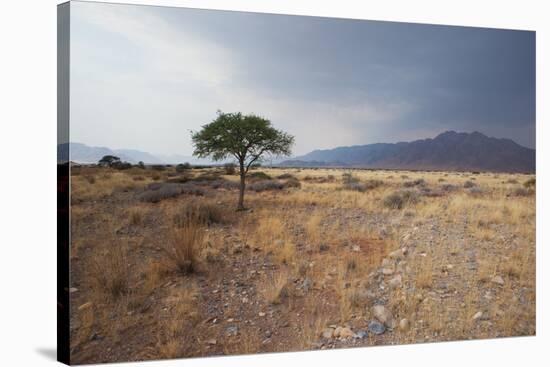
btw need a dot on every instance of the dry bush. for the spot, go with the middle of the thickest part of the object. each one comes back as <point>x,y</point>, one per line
<point>265,185</point>
<point>277,287</point>
<point>200,212</point>
<point>286,176</point>
<point>530,183</point>
<point>417,182</point>
<point>136,215</point>
<point>259,176</point>
<point>110,271</point>
<point>160,191</point>
<point>187,245</point>
<point>348,178</point>
<point>469,184</point>
<point>398,200</point>
<point>285,253</point>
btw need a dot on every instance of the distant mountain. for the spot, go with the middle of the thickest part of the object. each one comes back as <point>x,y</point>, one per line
<point>447,151</point>
<point>83,153</point>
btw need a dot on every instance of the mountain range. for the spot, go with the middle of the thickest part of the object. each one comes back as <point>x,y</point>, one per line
<point>453,151</point>
<point>447,151</point>
<point>83,153</point>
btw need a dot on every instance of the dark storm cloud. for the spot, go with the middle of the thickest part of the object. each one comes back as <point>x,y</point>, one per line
<point>361,81</point>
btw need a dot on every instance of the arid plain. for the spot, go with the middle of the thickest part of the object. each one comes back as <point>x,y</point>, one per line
<point>162,265</point>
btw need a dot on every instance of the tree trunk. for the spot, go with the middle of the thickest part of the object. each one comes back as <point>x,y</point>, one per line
<point>240,206</point>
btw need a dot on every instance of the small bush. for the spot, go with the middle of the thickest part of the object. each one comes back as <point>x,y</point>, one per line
<point>90,179</point>
<point>449,187</point>
<point>259,176</point>
<point>521,191</point>
<point>469,184</point>
<point>187,246</point>
<point>530,183</point>
<point>512,181</point>
<point>183,167</point>
<point>110,271</point>
<point>373,184</point>
<point>265,185</point>
<point>417,182</point>
<point>161,191</point>
<point>398,200</point>
<point>224,184</point>
<point>476,191</point>
<point>355,186</point>
<point>286,176</point>
<point>394,201</point>
<point>292,183</point>
<point>201,213</point>
<point>230,168</point>
<point>158,167</point>
<point>348,178</point>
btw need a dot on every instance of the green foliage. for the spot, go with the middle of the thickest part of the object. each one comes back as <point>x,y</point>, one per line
<point>244,137</point>
<point>108,160</point>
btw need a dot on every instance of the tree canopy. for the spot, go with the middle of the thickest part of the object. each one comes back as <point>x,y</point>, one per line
<point>246,138</point>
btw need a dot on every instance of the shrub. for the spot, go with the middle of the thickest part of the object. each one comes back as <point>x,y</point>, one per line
<point>394,201</point>
<point>160,191</point>
<point>348,178</point>
<point>286,176</point>
<point>259,176</point>
<point>417,182</point>
<point>90,179</point>
<point>110,271</point>
<point>355,186</point>
<point>522,191</point>
<point>292,182</point>
<point>121,165</point>
<point>182,167</point>
<point>140,165</point>
<point>158,167</point>
<point>512,181</point>
<point>448,187</point>
<point>224,184</point>
<point>398,200</point>
<point>530,183</point>
<point>476,191</point>
<point>230,168</point>
<point>187,246</point>
<point>265,185</point>
<point>373,184</point>
<point>201,213</point>
<point>469,184</point>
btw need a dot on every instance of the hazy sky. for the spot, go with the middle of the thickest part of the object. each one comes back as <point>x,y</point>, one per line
<point>143,76</point>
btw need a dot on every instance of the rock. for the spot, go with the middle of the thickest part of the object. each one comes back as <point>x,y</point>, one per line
<point>361,334</point>
<point>268,333</point>
<point>497,279</point>
<point>328,333</point>
<point>73,289</point>
<point>387,271</point>
<point>395,282</point>
<point>478,315</point>
<point>386,263</point>
<point>396,255</point>
<point>346,333</point>
<point>404,324</point>
<point>382,314</point>
<point>211,341</point>
<point>232,330</point>
<point>376,327</point>
<point>337,332</point>
<point>355,248</point>
<point>261,314</point>
<point>85,306</point>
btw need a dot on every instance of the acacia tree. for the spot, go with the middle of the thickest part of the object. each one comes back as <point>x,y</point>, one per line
<point>244,137</point>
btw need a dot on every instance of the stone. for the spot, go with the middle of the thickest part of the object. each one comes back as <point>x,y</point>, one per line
<point>497,279</point>
<point>73,289</point>
<point>404,324</point>
<point>337,331</point>
<point>396,255</point>
<point>382,314</point>
<point>478,315</point>
<point>261,314</point>
<point>232,330</point>
<point>387,271</point>
<point>386,263</point>
<point>395,282</point>
<point>211,341</point>
<point>268,333</point>
<point>346,333</point>
<point>376,327</point>
<point>361,334</point>
<point>85,306</point>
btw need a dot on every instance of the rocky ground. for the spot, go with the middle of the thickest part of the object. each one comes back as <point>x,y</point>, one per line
<point>310,267</point>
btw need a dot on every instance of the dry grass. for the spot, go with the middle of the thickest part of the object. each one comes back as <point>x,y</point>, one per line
<point>187,247</point>
<point>110,271</point>
<point>276,287</point>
